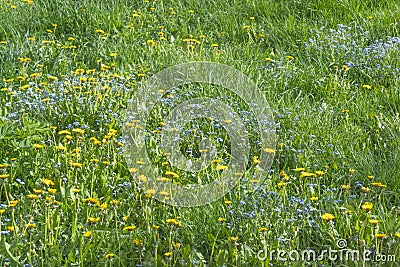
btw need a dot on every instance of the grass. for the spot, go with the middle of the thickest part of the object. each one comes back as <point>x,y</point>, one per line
<point>328,69</point>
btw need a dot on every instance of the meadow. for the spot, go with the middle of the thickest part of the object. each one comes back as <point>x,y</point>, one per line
<point>329,70</point>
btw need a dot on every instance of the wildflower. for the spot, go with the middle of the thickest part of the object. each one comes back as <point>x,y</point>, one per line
<point>38,146</point>
<point>47,182</point>
<point>151,43</point>
<point>4,176</point>
<point>345,68</point>
<point>256,161</point>
<point>367,206</point>
<point>314,198</point>
<point>87,234</point>
<point>64,132</point>
<point>93,220</point>
<point>352,171</point>
<point>263,229</point>
<point>269,150</point>
<point>365,189</point>
<point>168,254</point>
<point>397,235</point>
<point>290,57</point>
<point>78,130</point>
<point>155,227</point>
<point>52,190</point>
<point>234,238</point>
<point>173,174</point>
<point>114,202</point>
<point>32,196</point>
<point>299,169</point>
<point>378,184</point>
<point>129,228</point>
<point>319,173</point>
<point>76,164</point>
<point>100,31</point>
<point>37,191</point>
<point>110,255</point>
<point>220,219</point>
<point>52,78</point>
<point>367,86</point>
<point>379,236</point>
<point>282,184</point>
<point>80,71</point>
<point>221,167</point>
<point>327,216</point>
<point>3,165</point>
<point>2,211</point>
<point>345,186</point>
<point>31,225</point>
<point>75,190</point>
<point>228,202</point>
<point>373,221</point>
<point>11,228</point>
<point>91,200</point>
<point>307,174</point>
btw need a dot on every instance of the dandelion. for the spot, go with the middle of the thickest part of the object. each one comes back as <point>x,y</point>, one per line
<point>88,234</point>
<point>220,219</point>
<point>373,221</point>
<point>345,186</point>
<point>151,43</point>
<point>256,161</point>
<point>380,236</point>
<point>4,176</point>
<point>214,45</point>
<point>367,206</point>
<point>47,182</point>
<point>109,256</point>
<point>10,228</point>
<point>78,130</point>
<point>173,174</point>
<point>221,167</point>
<point>52,190</point>
<point>327,216</point>
<point>365,189</point>
<point>2,211</point>
<point>228,202</point>
<point>38,146</point>
<point>367,86</point>
<point>113,54</point>
<point>31,225</point>
<point>319,173</point>
<point>168,254</point>
<point>282,184</point>
<point>352,171</point>
<point>307,174</point>
<point>64,132</point>
<point>100,31</point>
<point>290,57</point>
<point>234,238</point>
<point>129,228</point>
<point>32,196</point>
<point>299,169</point>
<point>75,190</point>
<point>38,191</point>
<point>345,68</point>
<point>378,184</point>
<point>263,229</point>
<point>397,235</point>
<point>93,220</point>
<point>76,164</point>
<point>314,198</point>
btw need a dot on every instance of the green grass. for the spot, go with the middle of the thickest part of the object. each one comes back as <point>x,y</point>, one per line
<point>329,71</point>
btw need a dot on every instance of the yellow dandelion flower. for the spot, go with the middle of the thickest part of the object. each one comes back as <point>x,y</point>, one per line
<point>88,234</point>
<point>2,211</point>
<point>38,191</point>
<point>47,182</point>
<point>220,219</point>
<point>4,176</point>
<point>299,169</point>
<point>373,221</point>
<point>234,238</point>
<point>168,254</point>
<point>52,190</point>
<point>380,236</point>
<point>38,146</point>
<point>221,167</point>
<point>109,255</point>
<point>397,235</point>
<point>129,228</point>
<point>31,225</point>
<point>93,220</point>
<point>314,198</point>
<point>263,229</point>
<point>228,202</point>
<point>32,196</point>
<point>345,186</point>
<point>78,130</point>
<point>151,43</point>
<point>367,206</point>
<point>327,216</point>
